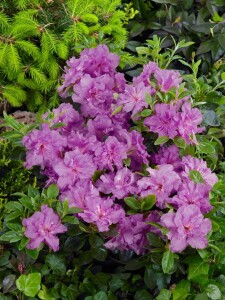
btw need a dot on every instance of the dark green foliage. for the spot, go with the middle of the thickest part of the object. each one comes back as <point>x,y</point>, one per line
<point>13,176</point>
<point>37,36</point>
<point>201,22</point>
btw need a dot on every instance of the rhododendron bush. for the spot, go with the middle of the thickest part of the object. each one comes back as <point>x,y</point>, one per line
<point>98,139</point>
<point>122,158</point>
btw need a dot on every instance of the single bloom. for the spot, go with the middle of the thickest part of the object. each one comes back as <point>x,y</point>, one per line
<point>74,166</point>
<point>192,193</point>
<point>43,146</point>
<point>187,227</point>
<point>197,164</point>
<point>164,121</point>
<point>133,98</point>
<point>120,184</point>
<point>188,121</point>
<point>161,182</point>
<point>102,212</point>
<point>111,153</point>
<point>43,227</point>
<point>167,79</point>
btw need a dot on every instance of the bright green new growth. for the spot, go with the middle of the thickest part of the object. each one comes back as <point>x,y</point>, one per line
<point>37,36</point>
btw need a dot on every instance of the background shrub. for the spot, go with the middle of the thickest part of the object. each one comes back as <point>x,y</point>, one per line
<point>201,22</point>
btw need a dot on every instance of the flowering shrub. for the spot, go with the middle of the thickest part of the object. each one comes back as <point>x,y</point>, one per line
<point>102,166</point>
<point>129,204</point>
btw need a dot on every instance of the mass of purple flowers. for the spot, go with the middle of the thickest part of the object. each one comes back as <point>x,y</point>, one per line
<point>97,139</point>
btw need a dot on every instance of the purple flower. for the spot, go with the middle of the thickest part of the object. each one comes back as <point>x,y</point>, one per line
<point>43,147</point>
<point>132,233</point>
<point>146,74</point>
<point>189,119</point>
<point>100,126</point>
<point>162,182</point>
<point>99,61</point>
<point>167,155</point>
<point>85,144</point>
<point>42,227</point>
<point>111,154</point>
<point>77,195</point>
<point>74,166</point>
<point>66,114</point>
<point>133,98</point>
<point>192,163</point>
<point>102,212</point>
<point>164,122</point>
<point>192,193</point>
<point>136,150</point>
<point>167,79</point>
<point>94,94</point>
<point>187,227</point>
<point>120,184</point>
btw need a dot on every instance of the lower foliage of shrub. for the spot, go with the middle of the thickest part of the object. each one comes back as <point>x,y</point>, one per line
<point>130,209</point>
<point>13,176</point>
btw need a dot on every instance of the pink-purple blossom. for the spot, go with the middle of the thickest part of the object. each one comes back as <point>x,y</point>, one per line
<point>43,227</point>
<point>102,212</point>
<point>74,166</point>
<point>187,227</point>
<point>193,163</point>
<point>120,184</point>
<point>192,193</point>
<point>43,147</point>
<point>162,182</point>
<point>164,121</point>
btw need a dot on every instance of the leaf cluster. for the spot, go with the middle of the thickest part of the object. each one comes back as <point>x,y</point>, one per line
<point>201,22</point>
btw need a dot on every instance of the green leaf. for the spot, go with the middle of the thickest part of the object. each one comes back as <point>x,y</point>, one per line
<point>52,191</point>
<point>148,202</point>
<point>29,284</point>
<point>56,264</point>
<point>179,142</point>
<point>164,295</point>
<point>70,219</point>
<point>33,253</point>
<point>8,283</point>
<point>197,267</point>
<point>115,284</point>
<point>11,236</point>
<point>95,240</point>
<point>12,216</point>
<point>146,113</point>
<point>201,296</point>
<point>99,253</point>
<point>196,176</point>
<point>205,147</point>
<point>223,76</point>
<point>167,261</point>
<point>142,295</point>
<point>213,292</point>
<point>217,18</point>
<point>117,110</point>
<point>100,296</point>
<point>132,203</point>
<point>182,290</point>
<point>13,206</point>
<point>155,240</point>
<point>161,140</point>
<point>58,125</point>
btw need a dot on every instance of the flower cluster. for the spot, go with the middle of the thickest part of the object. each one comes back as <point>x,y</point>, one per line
<point>97,160</point>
